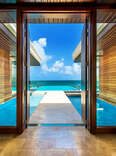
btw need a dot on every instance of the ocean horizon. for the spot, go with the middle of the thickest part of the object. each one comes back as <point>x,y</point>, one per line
<point>72,83</point>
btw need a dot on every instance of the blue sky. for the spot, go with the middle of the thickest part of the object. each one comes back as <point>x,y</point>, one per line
<point>55,44</point>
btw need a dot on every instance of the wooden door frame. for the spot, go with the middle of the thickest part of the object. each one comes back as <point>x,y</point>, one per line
<point>92,57</point>
<point>45,12</point>
<point>91,124</point>
<point>21,27</point>
<point>20,58</point>
<point>20,125</point>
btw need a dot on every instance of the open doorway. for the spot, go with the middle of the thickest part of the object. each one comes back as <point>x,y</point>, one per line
<point>55,68</point>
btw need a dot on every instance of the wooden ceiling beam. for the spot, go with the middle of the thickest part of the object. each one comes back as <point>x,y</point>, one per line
<point>35,7</point>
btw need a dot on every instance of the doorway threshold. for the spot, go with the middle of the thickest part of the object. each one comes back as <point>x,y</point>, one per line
<point>55,125</point>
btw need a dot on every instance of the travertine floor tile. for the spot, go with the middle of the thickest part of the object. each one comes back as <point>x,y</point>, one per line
<point>57,141</point>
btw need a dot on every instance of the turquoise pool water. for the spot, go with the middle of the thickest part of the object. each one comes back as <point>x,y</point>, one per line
<point>76,101</point>
<point>8,113</point>
<point>106,112</point>
<point>8,110</point>
<point>34,102</point>
<point>57,88</point>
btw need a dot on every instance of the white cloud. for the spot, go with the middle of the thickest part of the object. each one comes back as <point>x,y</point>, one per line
<point>43,42</point>
<point>59,65</point>
<point>40,45</point>
<point>45,67</point>
<point>76,68</point>
<point>68,70</point>
<point>72,70</point>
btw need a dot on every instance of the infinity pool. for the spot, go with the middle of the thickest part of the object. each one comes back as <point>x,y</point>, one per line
<point>34,102</point>
<point>8,110</point>
<point>106,112</point>
<point>8,113</point>
<point>76,101</point>
<point>57,88</point>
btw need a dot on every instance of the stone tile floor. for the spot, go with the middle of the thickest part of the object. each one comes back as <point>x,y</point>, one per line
<point>57,141</point>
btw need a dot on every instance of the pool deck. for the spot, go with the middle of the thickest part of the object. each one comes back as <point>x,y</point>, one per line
<point>55,108</point>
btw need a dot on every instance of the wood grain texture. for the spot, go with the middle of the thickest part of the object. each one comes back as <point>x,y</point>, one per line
<point>7,49</point>
<point>54,1</point>
<point>56,18</point>
<point>92,72</point>
<point>107,38</point>
<point>107,75</point>
<point>106,16</point>
<point>5,76</point>
<point>20,93</point>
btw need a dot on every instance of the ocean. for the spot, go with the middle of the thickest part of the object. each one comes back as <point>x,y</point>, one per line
<point>76,84</point>
<point>72,83</point>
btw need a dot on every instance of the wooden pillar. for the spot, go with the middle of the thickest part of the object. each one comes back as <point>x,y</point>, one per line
<point>20,127</point>
<point>92,73</point>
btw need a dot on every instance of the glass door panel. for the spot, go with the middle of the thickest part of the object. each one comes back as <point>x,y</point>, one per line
<point>106,68</point>
<point>8,68</point>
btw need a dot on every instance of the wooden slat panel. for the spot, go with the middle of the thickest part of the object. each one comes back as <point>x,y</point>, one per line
<point>107,75</point>
<point>35,1</point>
<point>57,18</point>
<point>5,76</point>
<point>6,43</point>
<point>7,50</point>
<point>108,39</point>
<point>106,16</point>
<point>54,1</point>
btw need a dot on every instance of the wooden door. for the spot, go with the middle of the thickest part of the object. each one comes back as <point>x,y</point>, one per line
<point>91,52</point>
